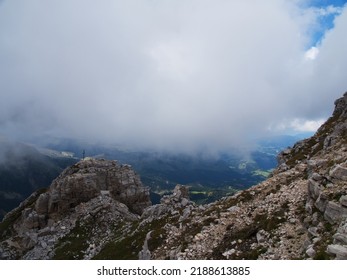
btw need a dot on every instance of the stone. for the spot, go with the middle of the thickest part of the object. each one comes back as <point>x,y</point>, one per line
<point>283,167</point>
<point>43,244</point>
<point>185,214</point>
<point>262,236</point>
<point>184,202</point>
<point>321,202</point>
<point>313,231</point>
<point>343,200</point>
<point>229,253</point>
<point>145,253</point>
<point>343,227</point>
<point>316,240</point>
<point>311,252</point>
<point>314,189</point>
<point>180,192</point>
<point>234,209</point>
<point>339,172</point>
<point>286,152</point>
<point>339,251</point>
<point>317,177</point>
<point>315,219</point>
<point>340,238</point>
<point>334,213</point>
<point>309,206</point>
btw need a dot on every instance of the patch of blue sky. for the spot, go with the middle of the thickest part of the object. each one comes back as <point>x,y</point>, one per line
<point>326,3</point>
<point>326,17</point>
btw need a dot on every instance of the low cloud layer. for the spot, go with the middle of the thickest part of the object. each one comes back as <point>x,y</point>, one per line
<point>166,74</point>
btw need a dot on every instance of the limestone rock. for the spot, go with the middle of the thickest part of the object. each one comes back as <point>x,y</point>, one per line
<point>262,236</point>
<point>86,180</point>
<point>339,172</point>
<point>339,251</point>
<point>334,213</point>
<point>311,252</point>
<point>340,238</point>
<point>145,254</point>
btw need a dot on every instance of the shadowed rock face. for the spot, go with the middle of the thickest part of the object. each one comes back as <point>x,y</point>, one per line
<point>86,180</point>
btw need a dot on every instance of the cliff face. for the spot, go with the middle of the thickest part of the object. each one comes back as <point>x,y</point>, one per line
<point>90,203</point>
<point>92,210</point>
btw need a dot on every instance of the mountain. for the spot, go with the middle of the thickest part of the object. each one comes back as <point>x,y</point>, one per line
<point>99,209</point>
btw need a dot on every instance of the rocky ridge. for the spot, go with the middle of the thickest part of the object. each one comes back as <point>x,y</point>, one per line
<point>100,210</point>
<point>90,203</point>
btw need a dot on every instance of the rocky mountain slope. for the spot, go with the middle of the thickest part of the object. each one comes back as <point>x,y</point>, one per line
<point>99,209</point>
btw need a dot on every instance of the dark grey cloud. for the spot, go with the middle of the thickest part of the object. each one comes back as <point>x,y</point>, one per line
<point>165,74</point>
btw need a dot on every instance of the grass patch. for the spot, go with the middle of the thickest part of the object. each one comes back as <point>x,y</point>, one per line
<point>128,247</point>
<point>71,246</point>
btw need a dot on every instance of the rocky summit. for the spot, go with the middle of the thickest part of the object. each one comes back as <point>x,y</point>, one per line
<point>99,209</point>
<point>88,205</point>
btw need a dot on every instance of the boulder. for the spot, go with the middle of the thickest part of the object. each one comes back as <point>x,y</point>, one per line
<point>339,172</point>
<point>311,252</point>
<point>340,238</point>
<point>339,251</point>
<point>180,192</point>
<point>262,236</point>
<point>317,177</point>
<point>334,212</point>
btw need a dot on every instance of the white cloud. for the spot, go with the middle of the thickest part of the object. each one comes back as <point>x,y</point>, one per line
<point>306,125</point>
<point>328,10</point>
<point>312,53</point>
<point>165,74</point>
<point>295,125</point>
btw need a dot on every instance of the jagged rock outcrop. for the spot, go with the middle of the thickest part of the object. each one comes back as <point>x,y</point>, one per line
<point>90,203</point>
<point>86,180</point>
<point>300,212</point>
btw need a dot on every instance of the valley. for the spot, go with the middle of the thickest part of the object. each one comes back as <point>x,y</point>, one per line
<point>27,167</point>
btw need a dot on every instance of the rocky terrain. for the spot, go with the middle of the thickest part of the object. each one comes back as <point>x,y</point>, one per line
<point>99,209</point>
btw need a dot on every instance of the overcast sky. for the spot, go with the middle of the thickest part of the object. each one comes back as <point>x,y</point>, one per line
<point>180,74</point>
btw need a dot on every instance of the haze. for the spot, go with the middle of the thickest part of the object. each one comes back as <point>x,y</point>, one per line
<point>179,75</point>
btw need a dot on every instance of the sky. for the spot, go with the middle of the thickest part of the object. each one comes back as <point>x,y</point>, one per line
<point>179,75</point>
